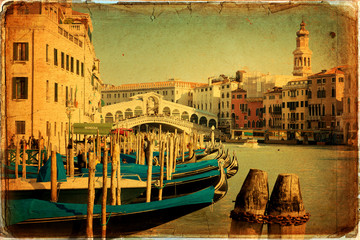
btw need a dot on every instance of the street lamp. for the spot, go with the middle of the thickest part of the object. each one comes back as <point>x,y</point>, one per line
<point>69,110</point>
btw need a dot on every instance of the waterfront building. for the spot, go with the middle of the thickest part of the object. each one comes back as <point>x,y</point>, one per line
<point>325,94</point>
<point>239,108</point>
<point>349,117</point>
<point>172,90</point>
<point>256,83</point>
<point>246,112</point>
<point>295,104</point>
<point>207,97</point>
<point>225,120</point>
<point>50,69</point>
<point>272,102</point>
<point>302,53</point>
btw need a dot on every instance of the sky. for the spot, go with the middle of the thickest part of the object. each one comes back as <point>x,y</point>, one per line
<point>150,43</point>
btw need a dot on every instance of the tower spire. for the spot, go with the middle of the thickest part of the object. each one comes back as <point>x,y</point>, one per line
<point>302,53</point>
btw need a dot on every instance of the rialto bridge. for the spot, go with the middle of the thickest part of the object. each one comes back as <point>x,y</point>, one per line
<point>151,108</point>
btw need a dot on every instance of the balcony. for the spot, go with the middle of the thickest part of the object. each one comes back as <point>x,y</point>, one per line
<point>313,118</point>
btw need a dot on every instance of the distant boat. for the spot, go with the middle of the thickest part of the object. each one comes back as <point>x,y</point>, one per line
<point>252,143</point>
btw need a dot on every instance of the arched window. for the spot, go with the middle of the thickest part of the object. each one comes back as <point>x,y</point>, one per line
<point>128,113</point>
<point>185,116</point>
<point>227,114</point>
<point>203,121</point>
<point>333,92</point>
<point>253,124</point>
<point>176,113</point>
<point>304,61</point>
<point>109,118</point>
<point>301,62</point>
<point>138,111</point>
<point>166,111</point>
<point>333,109</point>
<point>222,114</point>
<point>212,122</point>
<point>323,110</point>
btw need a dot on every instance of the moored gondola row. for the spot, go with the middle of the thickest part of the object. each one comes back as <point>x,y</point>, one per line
<point>167,181</point>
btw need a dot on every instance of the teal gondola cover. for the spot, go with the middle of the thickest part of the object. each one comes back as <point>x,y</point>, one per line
<point>45,171</point>
<point>26,209</point>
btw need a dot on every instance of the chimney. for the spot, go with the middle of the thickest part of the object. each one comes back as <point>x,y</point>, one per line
<point>209,81</point>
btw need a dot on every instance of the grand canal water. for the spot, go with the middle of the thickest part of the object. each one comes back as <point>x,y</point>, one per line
<point>328,184</point>
<point>328,178</point>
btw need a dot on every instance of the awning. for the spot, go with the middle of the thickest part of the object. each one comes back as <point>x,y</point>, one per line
<point>92,128</point>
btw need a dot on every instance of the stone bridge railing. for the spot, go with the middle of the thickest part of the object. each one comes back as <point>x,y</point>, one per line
<point>170,120</point>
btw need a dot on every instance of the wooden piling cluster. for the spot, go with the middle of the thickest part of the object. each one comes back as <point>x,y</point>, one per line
<point>284,213</point>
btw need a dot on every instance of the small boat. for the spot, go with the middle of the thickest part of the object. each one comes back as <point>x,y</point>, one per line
<point>252,143</point>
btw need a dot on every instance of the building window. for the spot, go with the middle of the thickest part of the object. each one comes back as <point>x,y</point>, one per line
<point>222,95</point>
<point>67,62</point>
<point>47,53</point>
<point>47,90</point>
<point>55,57</point>
<point>77,67</point>
<point>227,95</point>
<point>324,80</point>
<point>56,92</point>
<point>20,88</point>
<point>333,80</point>
<point>21,51</point>
<point>72,64</point>
<point>318,81</point>
<point>233,96</point>
<point>341,79</point>
<point>62,60</point>
<point>20,127</point>
<point>333,92</point>
<point>232,106</point>
<point>82,69</point>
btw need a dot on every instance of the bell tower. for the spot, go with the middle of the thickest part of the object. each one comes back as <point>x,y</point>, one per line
<point>302,53</point>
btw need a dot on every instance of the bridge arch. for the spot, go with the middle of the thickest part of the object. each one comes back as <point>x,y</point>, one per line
<point>194,118</point>
<point>128,113</point>
<point>138,111</point>
<point>212,122</point>
<point>185,116</point>
<point>166,111</point>
<point>119,115</point>
<point>109,118</point>
<point>203,121</point>
<point>176,113</point>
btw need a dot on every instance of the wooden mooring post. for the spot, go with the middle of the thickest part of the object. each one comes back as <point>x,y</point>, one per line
<point>286,209</point>
<point>250,204</point>
<point>104,196</point>
<point>149,172</point>
<point>91,196</point>
<point>53,177</point>
<point>17,158</point>
<point>162,157</point>
<point>118,176</point>
<point>24,161</point>
<point>114,162</point>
